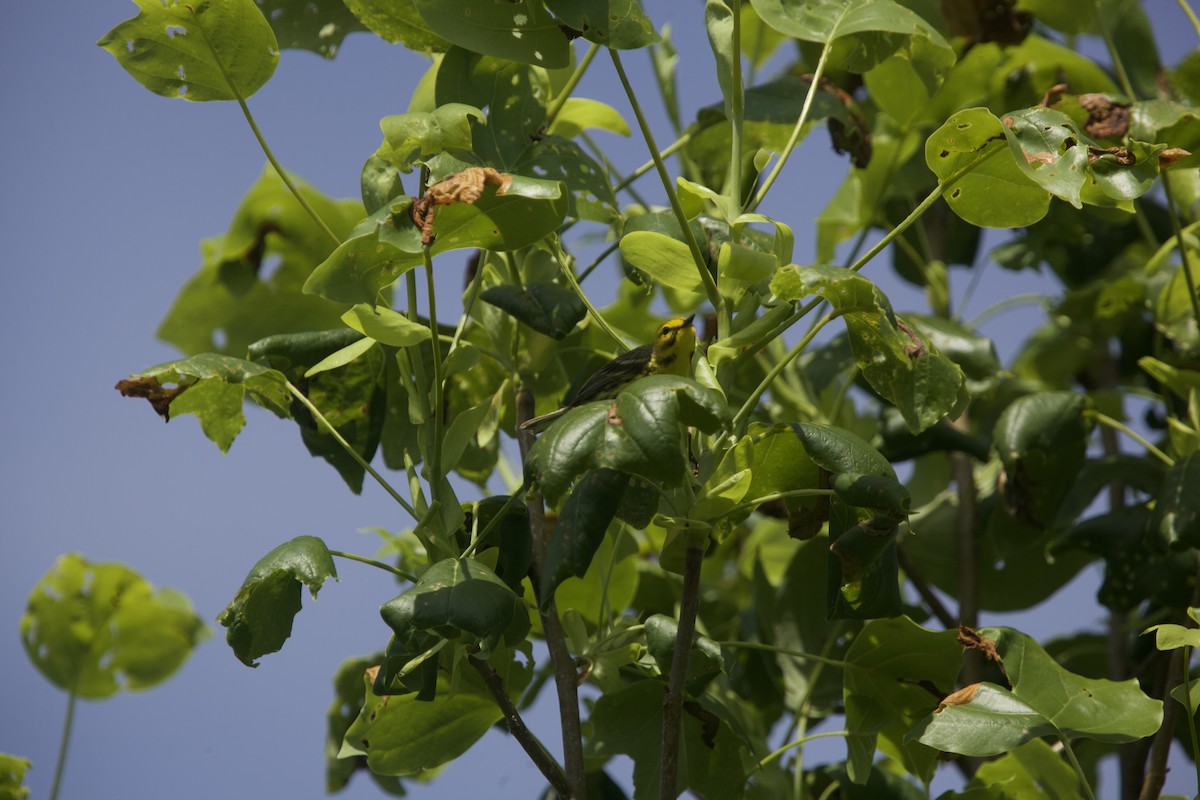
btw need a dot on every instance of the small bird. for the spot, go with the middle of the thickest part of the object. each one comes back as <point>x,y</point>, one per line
<point>669,354</point>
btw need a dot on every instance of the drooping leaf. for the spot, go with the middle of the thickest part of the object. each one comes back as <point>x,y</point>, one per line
<point>899,363</point>
<point>705,660</point>
<point>523,32</point>
<point>546,307</point>
<point>306,25</point>
<point>259,617</point>
<point>512,538</point>
<point>213,387</point>
<point>1041,440</point>
<point>457,597</point>
<point>580,528</point>
<point>1050,150</point>
<point>249,284</point>
<point>1176,517</point>
<point>579,114</point>
<point>664,259</point>
<point>900,672</point>
<point>97,628</point>
<point>346,391</point>
<point>829,20</point>
<point>219,50</point>
<point>386,326</point>
<point>349,695</point>
<point>619,24</point>
<point>994,192</point>
<point>863,567</point>
<point>640,432</point>
<point>983,720</point>
<point>629,722</point>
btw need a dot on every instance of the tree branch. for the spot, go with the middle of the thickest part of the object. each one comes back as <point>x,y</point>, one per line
<point>516,726</point>
<point>565,675</point>
<point>673,702</point>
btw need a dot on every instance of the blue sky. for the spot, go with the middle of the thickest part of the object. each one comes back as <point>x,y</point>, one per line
<point>107,191</point>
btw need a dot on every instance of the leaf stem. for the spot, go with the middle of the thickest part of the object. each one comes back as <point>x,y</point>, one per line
<point>800,654</point>
<point>312,409</point>
<point>1104,419</point>
<point>564,263</point>
<point>572,82</point>
<point>797,743</point>
<point>1191,710</point>
<point>742,418</point>
<point>377,564</point>
<point>1110,45</point>
<point>516,726</point>
<point>1191,15</point>
<point>737,108</point>
<point>494,521</point>
<point>710,285</point>
<point>1083,781</point>
<point>693,560</point>
<point>435,449</point>
<point>262,142</point>
<point>796,130</point>
<point>64,743</point>
<point>608,251</point>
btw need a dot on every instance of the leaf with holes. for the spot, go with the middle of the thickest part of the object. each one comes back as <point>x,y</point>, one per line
<point>522,32</point>
<point>398,21</point>
<point>259,617</point>
<point>993,192</point>
<point>1050,150</point>
<point>419,134</point>
<point>899,362</point>
<point>307,25</point>
<point>93,628</point>
<point>619,24</point>
<point>218,50</point>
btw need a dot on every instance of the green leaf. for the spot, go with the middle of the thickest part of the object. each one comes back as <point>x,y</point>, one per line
<point>419,134</point>
<point>610,582</point>
<point>1176,517</point>
<point>639,433</point>
<point>512,538</point>
<point>1032,770</point>
<point>385,325</point>
<point>546,307</point>
<point>629,722</point>
<point>456,597</point>
<point>12,777</point>
<point>838,450</point>
<point>579,114</point>
<point>524,32</point>
<point>398,21</point>
<point>994,193</point>
<point>404,735</point>
<point>259,617</point>
<point>892,662</point>
<point>213,388</point>
<point>1169,636</point>
<point>705,659</point>
<point>349,695</point>
<point>580,528</point>
<point>1041,440</point>
<point>217,50</point>
<point>96,628</point>
<point>619,24</point>
<point>249,284</point>
<point>985,720</point>
<point>1050,150</point>
<point>1079,707</point>
<point>348,396</point>
<point>462,432</point>
<point>829,20</point>
<point>900,364</point>
<point>306,25</point>
<point>666,260</point>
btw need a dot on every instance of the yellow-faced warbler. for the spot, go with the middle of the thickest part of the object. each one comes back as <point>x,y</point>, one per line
<point>669,354</point>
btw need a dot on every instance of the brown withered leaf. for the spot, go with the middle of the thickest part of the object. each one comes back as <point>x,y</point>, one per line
<point>959,698</point>
<point>461,187</point>
<point>1052,94</point>
<point>987,20</point>
<point>710,724</point>
<point>1122,154</point>
<point>1106,117</point>
<point>916,348</point>
<point>974,640</point>
<point>854,138</point>
<point>1172,154</point>
<point>159,396</point>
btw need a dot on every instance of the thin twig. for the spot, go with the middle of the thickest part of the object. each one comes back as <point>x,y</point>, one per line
<point>693,560</point>
<point>377,564</point>
<point>516,726</point>
<point>926,591</point>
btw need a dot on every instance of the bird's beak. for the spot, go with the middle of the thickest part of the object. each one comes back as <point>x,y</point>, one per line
<point>689,319</point>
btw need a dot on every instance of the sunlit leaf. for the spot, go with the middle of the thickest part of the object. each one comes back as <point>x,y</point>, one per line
<point>218,50</point>
<point>259,617</point>
<point>398,21</point>
<point>94,629</point>
<point>307,25</point>
<point>522,32</point>
<point>619,24</point>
